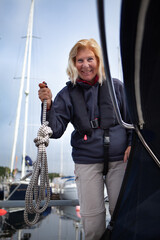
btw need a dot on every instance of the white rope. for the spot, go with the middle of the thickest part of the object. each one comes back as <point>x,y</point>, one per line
<point>35,193</point>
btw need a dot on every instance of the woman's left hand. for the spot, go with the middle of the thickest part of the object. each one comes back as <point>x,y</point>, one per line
<point>126,154</point>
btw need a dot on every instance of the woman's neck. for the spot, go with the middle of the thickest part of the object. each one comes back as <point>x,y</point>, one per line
<point>93,82</point>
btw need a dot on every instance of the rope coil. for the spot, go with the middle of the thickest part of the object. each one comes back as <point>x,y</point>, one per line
<point>35,193</point>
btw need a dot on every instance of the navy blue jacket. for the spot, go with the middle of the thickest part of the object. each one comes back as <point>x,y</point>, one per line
<point>92,150</point>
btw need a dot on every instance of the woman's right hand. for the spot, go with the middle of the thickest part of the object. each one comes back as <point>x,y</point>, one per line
<point>45,93</point>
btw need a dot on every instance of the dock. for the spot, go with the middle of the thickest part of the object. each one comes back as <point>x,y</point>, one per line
<point>21,203</point>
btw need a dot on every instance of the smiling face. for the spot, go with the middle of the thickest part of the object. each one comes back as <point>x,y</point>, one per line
<point>86,64</point>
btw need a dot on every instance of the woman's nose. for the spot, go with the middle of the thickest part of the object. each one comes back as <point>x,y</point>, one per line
<point>85,64</point>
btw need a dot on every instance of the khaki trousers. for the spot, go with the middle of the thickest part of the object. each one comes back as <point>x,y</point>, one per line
<point>90,186</point>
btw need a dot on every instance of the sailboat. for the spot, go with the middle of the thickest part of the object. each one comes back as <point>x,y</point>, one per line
<point>69,188</point>
<point>18,188</point>
<point>137,213</point>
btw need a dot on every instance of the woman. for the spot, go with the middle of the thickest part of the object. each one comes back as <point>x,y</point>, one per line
<point>98,142</point>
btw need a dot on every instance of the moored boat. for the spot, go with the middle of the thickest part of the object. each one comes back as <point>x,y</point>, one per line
<point>69,189</point>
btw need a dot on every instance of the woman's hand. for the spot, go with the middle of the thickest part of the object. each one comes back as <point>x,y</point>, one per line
<point>126,154</point>
<point>45,93</point>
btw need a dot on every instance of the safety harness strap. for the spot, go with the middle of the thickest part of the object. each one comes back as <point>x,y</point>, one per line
<point>106,150</point>
<point>81,119</point>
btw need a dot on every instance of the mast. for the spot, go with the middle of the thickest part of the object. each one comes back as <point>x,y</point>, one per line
<point>27,61</point>
<point>61,159</point>
<point>27,88</point>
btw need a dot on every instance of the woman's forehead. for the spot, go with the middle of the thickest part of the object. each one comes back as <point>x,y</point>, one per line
<point>85,51</point>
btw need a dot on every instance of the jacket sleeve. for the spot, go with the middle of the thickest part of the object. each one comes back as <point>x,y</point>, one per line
<point>122,102</point>
<point>60,113</point>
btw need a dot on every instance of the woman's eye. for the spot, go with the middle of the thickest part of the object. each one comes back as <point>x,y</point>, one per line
<point>90,59</point>
<point>80,60</point>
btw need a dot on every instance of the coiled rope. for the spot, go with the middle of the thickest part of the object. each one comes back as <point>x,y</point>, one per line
<point>35,193</point>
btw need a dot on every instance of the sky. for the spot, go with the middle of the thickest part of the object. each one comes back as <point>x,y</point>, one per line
<point>57,26</point>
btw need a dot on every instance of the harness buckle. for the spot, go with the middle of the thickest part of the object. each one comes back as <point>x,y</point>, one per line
<point>94,123</point>
<point>106,141</point>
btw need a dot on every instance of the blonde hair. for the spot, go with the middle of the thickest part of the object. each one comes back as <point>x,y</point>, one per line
<point>92,45</point>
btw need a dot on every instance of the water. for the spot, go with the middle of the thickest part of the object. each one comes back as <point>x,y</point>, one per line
<point>56,223</point>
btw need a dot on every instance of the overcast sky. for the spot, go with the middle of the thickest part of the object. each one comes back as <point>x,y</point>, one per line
<point>58,25</point>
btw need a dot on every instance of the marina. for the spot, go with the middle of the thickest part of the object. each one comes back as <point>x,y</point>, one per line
<point>55,223</point>
<point>61,220</point>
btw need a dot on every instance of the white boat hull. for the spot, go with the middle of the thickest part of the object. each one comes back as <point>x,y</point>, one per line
<point>69,192</point>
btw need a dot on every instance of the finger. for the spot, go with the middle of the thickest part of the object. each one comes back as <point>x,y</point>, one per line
<point>42,85</point>
<point>126,156</point>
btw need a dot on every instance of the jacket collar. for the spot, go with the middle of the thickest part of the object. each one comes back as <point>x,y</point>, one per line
<point>95,80</point>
